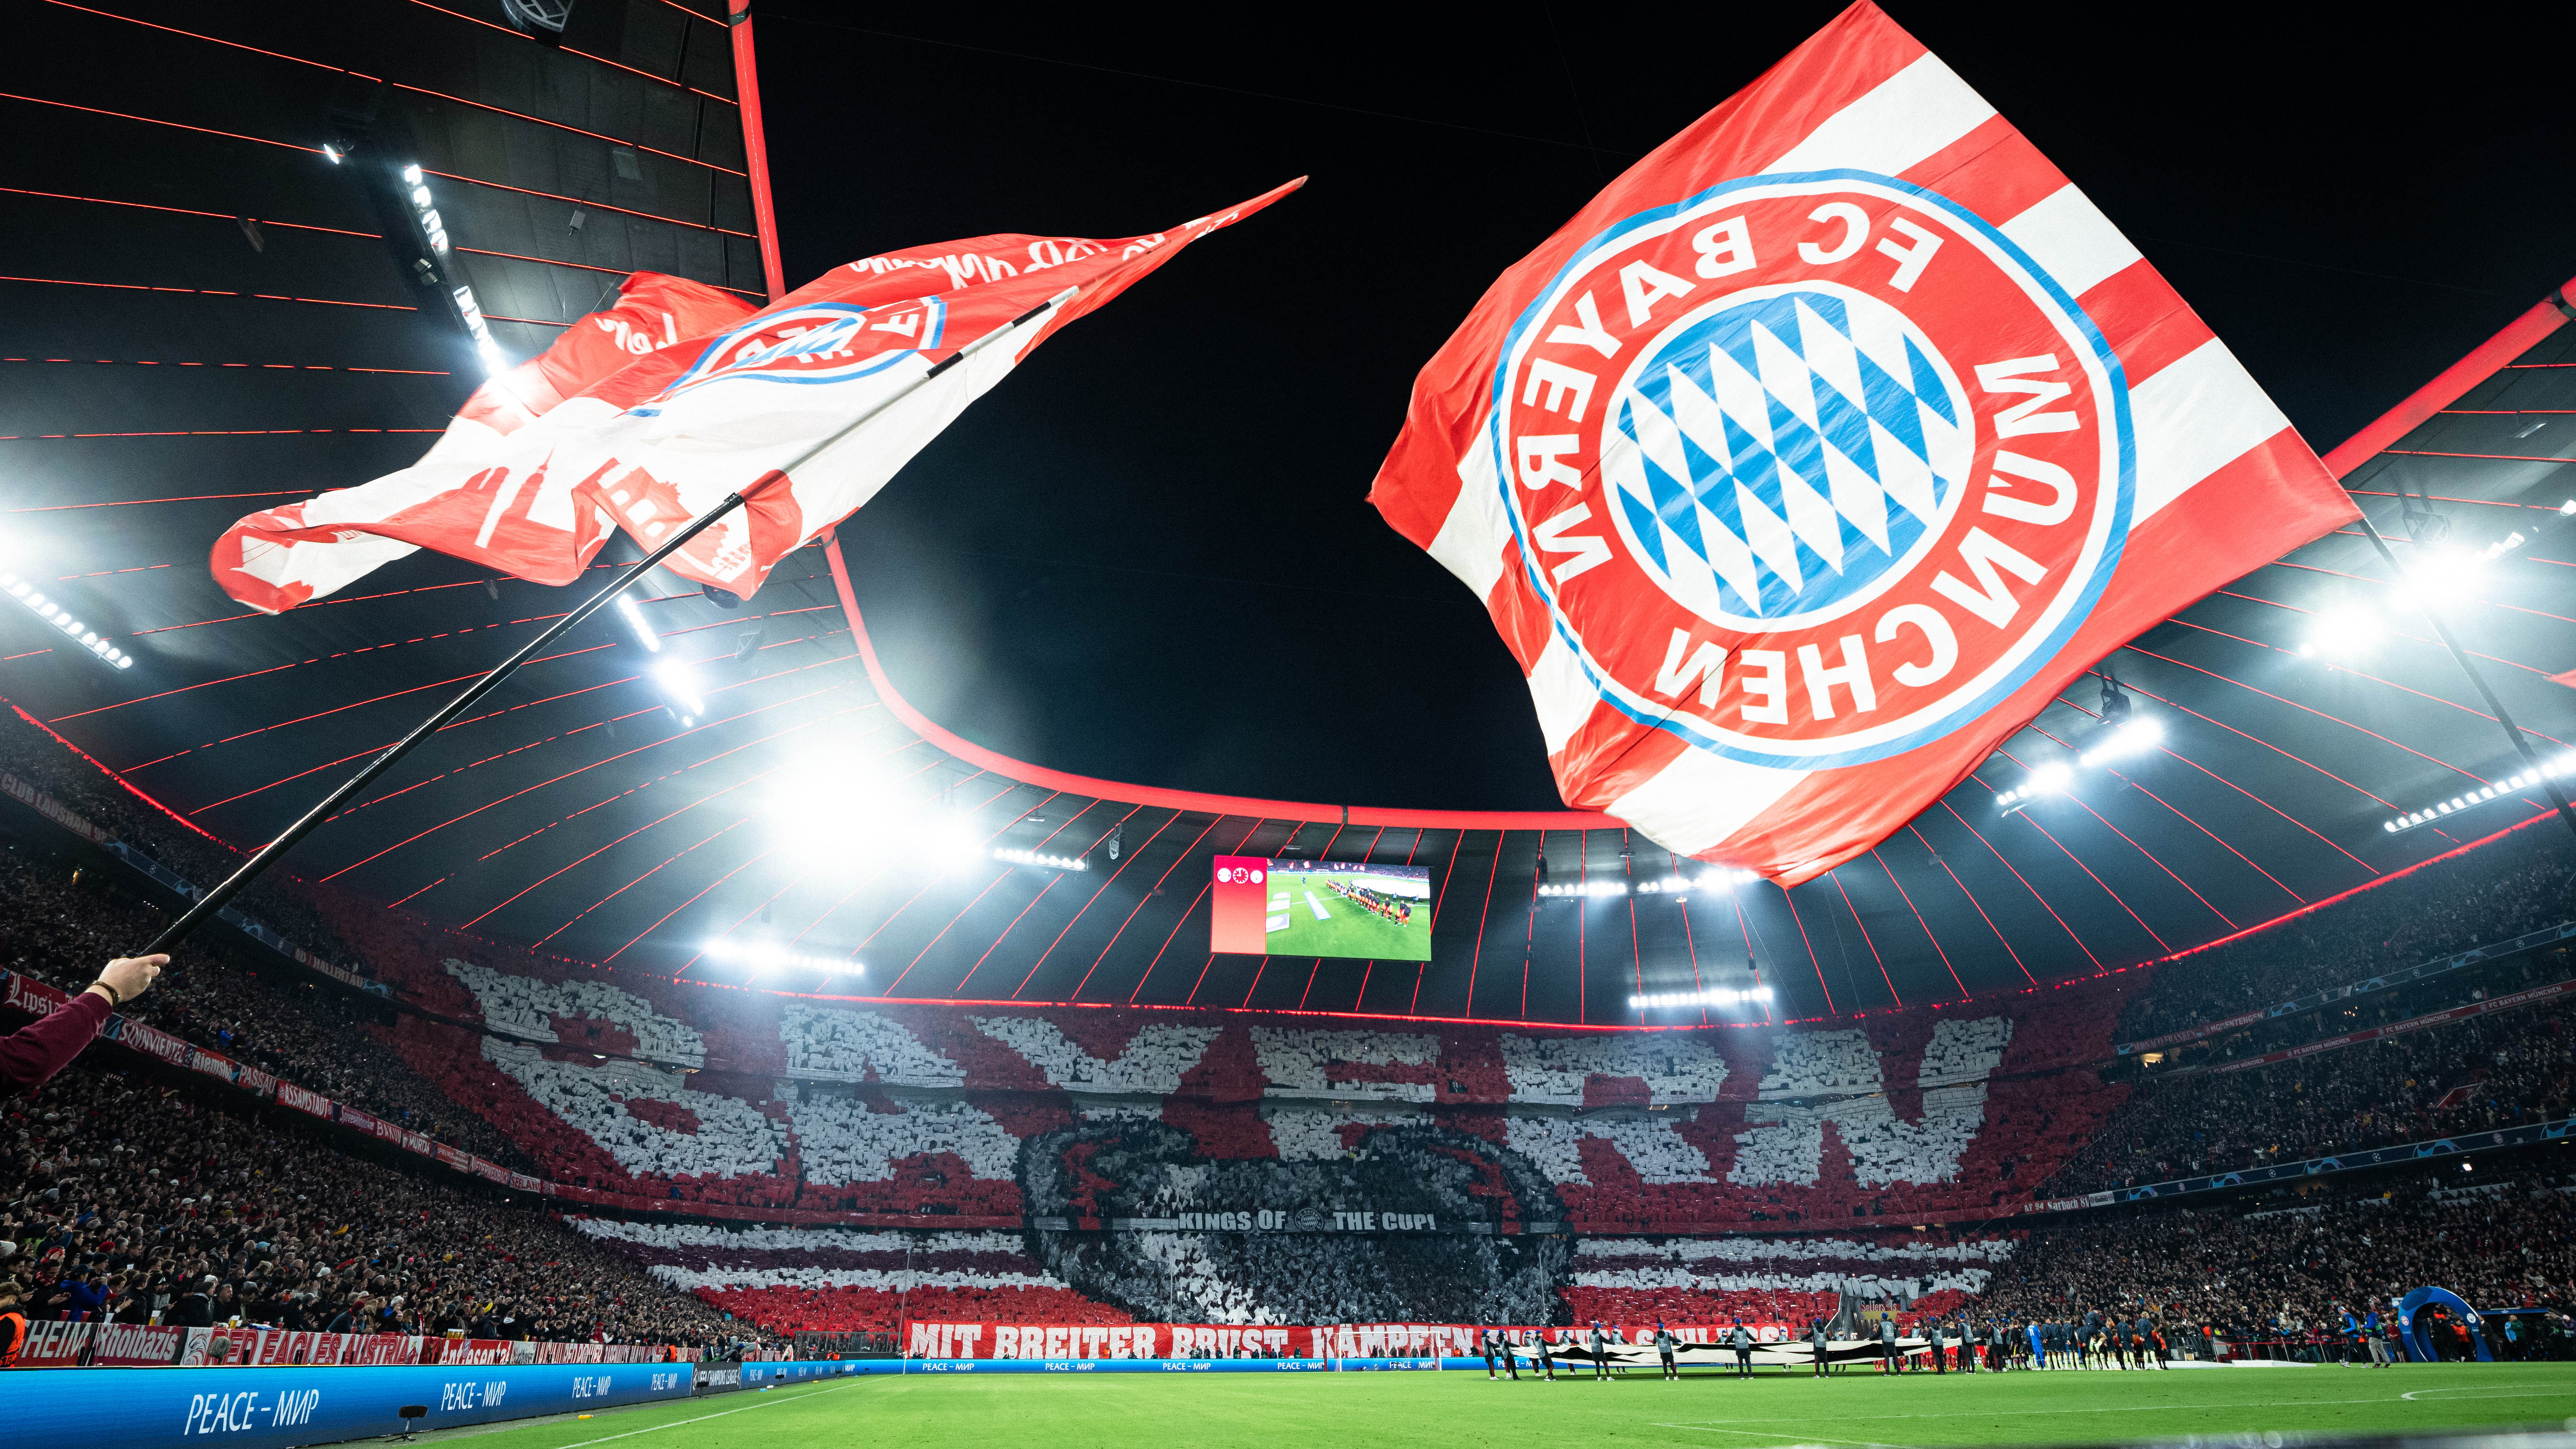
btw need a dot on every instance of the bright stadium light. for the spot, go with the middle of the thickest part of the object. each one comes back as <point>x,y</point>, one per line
<point>633,614</point>
<point>1709,880</point>
<point>845,818</point>
<point>2557,767</point>
<point>2043,781</point>
<point>2136,737</point>
<point>680,683</point>
<point>762,955</point>
<point>1604,887</point>
<point>1713,996</point>
<point>1051,862</point>
<point>61,618</point>
<point>2346,629</point>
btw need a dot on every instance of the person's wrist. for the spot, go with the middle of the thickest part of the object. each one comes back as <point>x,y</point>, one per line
<point>100,985</point>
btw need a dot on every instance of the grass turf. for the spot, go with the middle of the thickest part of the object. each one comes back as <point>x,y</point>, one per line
<point>1346,930</point>
<point>1350,1411</point>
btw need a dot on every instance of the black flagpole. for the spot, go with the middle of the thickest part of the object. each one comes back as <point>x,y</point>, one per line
<point>216,899</point>
<point>2512,731</point>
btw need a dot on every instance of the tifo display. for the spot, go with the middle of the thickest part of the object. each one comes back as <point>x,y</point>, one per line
<point>1320,908</point>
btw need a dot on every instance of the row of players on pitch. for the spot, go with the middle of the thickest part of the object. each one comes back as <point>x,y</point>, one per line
<point>1393,908</point>
<point>2094,1343</point>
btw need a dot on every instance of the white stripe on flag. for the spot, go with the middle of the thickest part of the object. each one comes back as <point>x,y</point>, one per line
<point>1905,118</point>
<point>1700,799</point>
<point>1470,541</point>
<point>2198,414</point>
<point>2072,241</point>
<point>1562,691</point>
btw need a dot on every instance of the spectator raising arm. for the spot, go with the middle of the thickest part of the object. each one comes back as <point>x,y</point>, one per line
<point>29,1058</point>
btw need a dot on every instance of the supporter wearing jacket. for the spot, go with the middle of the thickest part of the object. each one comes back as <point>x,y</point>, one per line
<point>194,1307</point>
<point>30,1056</point>
<point>13,1323</point>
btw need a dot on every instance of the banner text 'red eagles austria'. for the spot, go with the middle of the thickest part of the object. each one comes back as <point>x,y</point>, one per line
<point>1815,455</point>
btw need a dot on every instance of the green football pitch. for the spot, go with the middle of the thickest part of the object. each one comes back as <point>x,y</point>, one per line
<point>1322,923</point>
<point>1353,1410</point>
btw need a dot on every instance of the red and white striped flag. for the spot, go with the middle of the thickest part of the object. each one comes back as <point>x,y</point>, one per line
<point>1815,455</point>
<point>645,416</point>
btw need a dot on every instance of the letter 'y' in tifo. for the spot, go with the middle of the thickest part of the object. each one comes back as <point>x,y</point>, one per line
<point>1822,449</point>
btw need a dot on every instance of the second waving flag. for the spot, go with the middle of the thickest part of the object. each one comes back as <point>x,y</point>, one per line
<point>642,417</point>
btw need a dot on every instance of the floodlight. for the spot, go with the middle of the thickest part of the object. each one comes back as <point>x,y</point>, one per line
<point>681,684</point>
<point>768,955</point>
<point>2345,629</point>
<point>633,614</point>
<point>2139,735</point>
<point>411,174</point>
<point>1712,996</point>
<point>63,619</point>
<point>1051,862</point>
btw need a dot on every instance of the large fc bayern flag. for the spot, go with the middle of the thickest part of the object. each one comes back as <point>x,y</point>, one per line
<point>1822,449</point>
<point>645,416</point>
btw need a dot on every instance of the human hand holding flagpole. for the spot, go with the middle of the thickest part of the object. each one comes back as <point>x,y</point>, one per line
<point>215,900</point>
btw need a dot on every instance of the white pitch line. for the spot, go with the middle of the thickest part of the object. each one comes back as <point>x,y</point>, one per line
<point>1812,1438</point>
<point>702,1418</point>
<point>2128,1408</point>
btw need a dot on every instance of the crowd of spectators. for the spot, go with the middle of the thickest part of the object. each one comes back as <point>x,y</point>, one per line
<point>63,923</point>
<point>277,898</point>
<point>2499,891</point>
<point>2466,1076</point>
<point>2249,1274</point>
<point>136,1200</point>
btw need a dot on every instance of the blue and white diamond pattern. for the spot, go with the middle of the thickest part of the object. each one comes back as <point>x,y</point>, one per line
<point>1784,455</point>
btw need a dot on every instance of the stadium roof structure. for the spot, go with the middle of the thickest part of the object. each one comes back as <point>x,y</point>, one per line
<point>204,317</point>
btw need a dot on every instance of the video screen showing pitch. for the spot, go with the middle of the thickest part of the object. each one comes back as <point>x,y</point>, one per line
<point>1321,908</point>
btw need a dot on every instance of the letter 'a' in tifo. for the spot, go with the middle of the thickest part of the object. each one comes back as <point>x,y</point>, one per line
<point>1813,457</point>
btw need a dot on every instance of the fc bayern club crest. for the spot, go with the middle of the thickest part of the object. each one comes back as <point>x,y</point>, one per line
<point>820,342</point>
<point>1811,469</point>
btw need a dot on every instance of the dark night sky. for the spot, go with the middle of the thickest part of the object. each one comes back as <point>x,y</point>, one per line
<point>1148,555</point>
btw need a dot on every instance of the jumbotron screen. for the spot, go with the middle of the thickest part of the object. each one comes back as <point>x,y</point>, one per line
<point>1321,908</point>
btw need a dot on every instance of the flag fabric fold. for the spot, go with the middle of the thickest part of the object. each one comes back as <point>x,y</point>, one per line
<point>644,416</point>
<point>1822,449</point>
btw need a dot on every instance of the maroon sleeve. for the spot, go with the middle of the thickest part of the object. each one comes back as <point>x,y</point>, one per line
<point>29,1058</point>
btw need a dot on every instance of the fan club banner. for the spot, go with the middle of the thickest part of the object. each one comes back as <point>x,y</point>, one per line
<point>646,415</point>
<point>135,1345</point>
<point>1814,456</point>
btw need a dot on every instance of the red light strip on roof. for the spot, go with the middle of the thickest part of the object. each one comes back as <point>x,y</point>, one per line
<point>2314,906</point>
<point>1803,938</point>
<point>215,292</point>
<point>1149,894</point>
<point>2025,885</point>
<point>156,121</point>
<point>586,55</point>
<point>1943,862</point>
<point>2161,943</point>
<point>1052,878</point>
<point>186,211</point>
<point>1902,894</point>
<point>581,266</point>
<point>582,202</point>
<point>128,785</point>
<point>2321,714</point>
<point>568,774</point>
<point>1836,876</point>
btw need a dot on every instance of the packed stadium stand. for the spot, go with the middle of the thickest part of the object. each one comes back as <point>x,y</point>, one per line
<point>932,1162</point>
